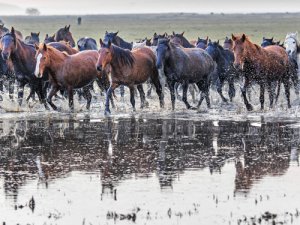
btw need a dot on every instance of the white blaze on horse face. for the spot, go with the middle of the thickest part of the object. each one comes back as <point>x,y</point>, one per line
<point>37,66</point>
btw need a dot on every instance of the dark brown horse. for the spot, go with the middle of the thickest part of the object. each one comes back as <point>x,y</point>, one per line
<point>23,60</point>
<point>64,34</point>
<point>202,43</point>
<point>129,68</point>
<point>158,36</point>
<point>33,38</point>
<point>181,40</point>
<point>49,39</point>
<point>67,71</point>
<point>263,66</point>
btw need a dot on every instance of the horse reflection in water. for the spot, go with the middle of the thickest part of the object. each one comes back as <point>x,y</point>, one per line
<point>268,154</point>
<point>139,147</point>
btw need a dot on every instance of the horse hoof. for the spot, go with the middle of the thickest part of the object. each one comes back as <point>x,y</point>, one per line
<point>249,108</point>
<point>193,108</point>
<point>107,113</point>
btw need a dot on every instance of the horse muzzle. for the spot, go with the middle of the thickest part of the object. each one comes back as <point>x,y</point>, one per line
<point>5,56</point>
<point>99,68</point>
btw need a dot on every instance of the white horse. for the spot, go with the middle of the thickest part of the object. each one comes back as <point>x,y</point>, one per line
<point>292,46</point>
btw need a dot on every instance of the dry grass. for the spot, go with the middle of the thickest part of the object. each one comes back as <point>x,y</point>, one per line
<point>133,27</point>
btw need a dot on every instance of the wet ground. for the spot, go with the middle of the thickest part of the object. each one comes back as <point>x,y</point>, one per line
<point>219,166</point>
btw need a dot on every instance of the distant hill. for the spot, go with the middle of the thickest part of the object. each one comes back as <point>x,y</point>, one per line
<point>9,9</point>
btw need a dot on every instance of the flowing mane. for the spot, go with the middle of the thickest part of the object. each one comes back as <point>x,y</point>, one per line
<point>122,56</point>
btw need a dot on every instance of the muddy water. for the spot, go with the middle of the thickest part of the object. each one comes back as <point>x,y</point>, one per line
<point>148,169</point>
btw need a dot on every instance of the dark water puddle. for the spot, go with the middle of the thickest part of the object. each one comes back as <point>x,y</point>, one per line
<point>149,171</point>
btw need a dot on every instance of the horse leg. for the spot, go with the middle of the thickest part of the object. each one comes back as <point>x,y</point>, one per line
<point>159,90</point>
<point>40,93</point>
<point>54,89</point>
<point>244,90</point>
<point>271,90</point>
<point>132,100</point>
<point>162,81</point>
<point>220,83</point>
<point>192,91</point>
<point>286,84</point>
<point>142,95</point>
<point>177,85</point>
<point>122,92</point>
<point>262,96</point>
<point>20,92</point>
<point>185,87</point>
<point>206,92</point>
<point>295,81</point>
<point>11,89</point>
<point>231,90</point>
<point>109,91</point>
<point>88,96</point>
<point>1,85</point>
<point>31,94</point>
<point>172,92</point>
<point>278,91</point>
<point>71,98</point>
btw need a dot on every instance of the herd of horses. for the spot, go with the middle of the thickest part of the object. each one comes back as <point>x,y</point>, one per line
<point>55,64</point>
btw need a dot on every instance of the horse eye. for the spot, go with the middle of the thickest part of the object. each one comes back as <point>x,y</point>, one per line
<point>294,42</point>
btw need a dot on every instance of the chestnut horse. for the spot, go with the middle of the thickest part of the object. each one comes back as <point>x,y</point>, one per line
<point>129,68</point>
<point>262,65</point>
<point>67,71</point>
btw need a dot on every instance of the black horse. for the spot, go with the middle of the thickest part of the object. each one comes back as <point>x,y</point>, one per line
<point>225,71</point>
<point>185,66</point>
<point>23,59</point>
<point>87,43</point>
<point>158,36</point>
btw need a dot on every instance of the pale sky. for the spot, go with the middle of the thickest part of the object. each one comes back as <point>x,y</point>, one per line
<point>150,6</point>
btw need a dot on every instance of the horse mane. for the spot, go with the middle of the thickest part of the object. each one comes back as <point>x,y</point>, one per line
<point>122,56</point>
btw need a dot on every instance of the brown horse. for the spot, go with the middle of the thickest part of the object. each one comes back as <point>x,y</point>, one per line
<point>67,71</point>
<point>263,66</point>
<point>4,30</point>
<point>64,34</point>
<point>129,68</point>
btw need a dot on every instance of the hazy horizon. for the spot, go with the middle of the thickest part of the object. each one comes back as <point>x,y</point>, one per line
<point>69,7</point>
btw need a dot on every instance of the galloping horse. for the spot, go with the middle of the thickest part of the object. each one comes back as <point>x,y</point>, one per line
<point>67,71</point>
<point>33,38</point>
<point>181,40</point>
<point>185,66</point>
<point>202,43</point>
<point>22,57</point>
<point>64,34</point>
<point>225,70</point>
<point>262,65</point>
<point>129,68</point>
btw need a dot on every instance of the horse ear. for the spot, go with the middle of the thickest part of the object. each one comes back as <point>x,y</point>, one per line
<point>36,47</point>
<point>243,38</point>
<point>198,38</point>
<point>233,37</point>
<point>69,27</point>
<point>165,34</point>
<point>272,39</point>
<point>182,33</point>
<point>12,31</point>
<point>101,42</point>
<point>38,34</point>
<point>206,38</point>
<point>155,34</point>
<point>31,33</point>
<point>173,33</point>
<point>264,38</point>
<point>46,36</point>
<point>45,47</point>
<point>209,40</point>
<point>218,42</point>
<point>53,36</point>
<point>106,32</point>
<point>116,33</point>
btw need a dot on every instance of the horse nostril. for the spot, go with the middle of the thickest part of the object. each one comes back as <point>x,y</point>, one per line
<point>99,68</point>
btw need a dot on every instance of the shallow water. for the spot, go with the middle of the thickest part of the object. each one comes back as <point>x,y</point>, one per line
<point>148,169</point>
<point>154,166</point>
